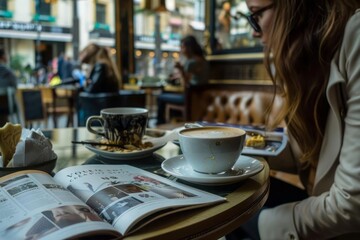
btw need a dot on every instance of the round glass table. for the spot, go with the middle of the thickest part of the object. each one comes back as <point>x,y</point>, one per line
<point>244,198</point>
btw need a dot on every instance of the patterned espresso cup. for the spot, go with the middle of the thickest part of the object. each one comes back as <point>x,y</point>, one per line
<point>122,126</point>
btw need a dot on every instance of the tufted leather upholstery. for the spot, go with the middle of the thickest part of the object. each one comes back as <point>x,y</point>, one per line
<point>237,104</point>
<point>234,104</point>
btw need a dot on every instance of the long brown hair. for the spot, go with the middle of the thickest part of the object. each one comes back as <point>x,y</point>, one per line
<point>193,46</point>
<point>304,38</point>
<point>94,53</point>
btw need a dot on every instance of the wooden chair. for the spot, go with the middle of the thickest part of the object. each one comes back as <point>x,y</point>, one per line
<point>90,104</point>
<point>31,107</point>
<point>59,101</point>
<point>174,107</point>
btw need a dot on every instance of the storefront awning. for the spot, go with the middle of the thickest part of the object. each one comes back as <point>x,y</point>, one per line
<point>33,31</point>
<point>43,36</point>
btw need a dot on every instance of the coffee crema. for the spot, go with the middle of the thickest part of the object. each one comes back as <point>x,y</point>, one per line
<point>212,132</point>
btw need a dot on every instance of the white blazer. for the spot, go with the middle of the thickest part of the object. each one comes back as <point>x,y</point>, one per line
<point>334,209</point>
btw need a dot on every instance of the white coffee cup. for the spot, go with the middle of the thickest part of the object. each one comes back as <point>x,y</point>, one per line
<point>212,150</point>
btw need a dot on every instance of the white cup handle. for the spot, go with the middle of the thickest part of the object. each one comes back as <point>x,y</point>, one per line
<point>92,119</point>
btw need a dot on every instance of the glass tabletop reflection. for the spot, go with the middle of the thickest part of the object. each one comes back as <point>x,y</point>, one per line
<point>70,154</point>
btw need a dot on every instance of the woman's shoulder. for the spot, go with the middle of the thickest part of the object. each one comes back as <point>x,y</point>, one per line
<point>100,64</point>
<point>352,32</point>
<point>354,21</point>
<point>193,63</point>
<point>196,60</point>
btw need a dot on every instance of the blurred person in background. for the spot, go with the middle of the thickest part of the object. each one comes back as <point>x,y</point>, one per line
<point>103,75</point>
<point>312,53</point>
<point>7,76</point>
<point>78,74</point>
<point>67,69</point>
<point>42,75</point>
<point>7,79</point>
<point>224,26</point>
<point>194,71</point>
<point>59,64</point>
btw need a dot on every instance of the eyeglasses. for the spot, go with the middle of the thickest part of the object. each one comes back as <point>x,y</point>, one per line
<point>253,17</point>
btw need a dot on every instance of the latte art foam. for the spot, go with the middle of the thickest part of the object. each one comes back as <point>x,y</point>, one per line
<point>211,133</point>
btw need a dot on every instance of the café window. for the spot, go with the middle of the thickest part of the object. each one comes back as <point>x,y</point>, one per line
<point>44,8</point>
<point>100,13</point>
<point>230,30</point>
<point>4,11</point>
<point>3,5</point>
<point>158,34</point>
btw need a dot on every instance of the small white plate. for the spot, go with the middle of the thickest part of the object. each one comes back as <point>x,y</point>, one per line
<point>126,155</point>
<point>244,168</point>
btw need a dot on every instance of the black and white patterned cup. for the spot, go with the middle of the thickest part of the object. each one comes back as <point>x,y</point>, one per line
<point>122,126</point>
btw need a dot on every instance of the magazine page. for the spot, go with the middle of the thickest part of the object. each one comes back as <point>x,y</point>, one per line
<point>124,195</point>
<point>34,206</point>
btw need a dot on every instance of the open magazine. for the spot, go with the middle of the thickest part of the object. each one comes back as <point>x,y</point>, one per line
<point>90,200</point>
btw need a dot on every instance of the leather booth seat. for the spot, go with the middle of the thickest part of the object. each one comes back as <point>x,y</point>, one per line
<point>232,103</point>
<point>236,104</point>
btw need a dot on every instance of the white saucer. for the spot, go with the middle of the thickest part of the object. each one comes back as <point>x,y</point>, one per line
<point>244,168</point>
<point>126,155</point>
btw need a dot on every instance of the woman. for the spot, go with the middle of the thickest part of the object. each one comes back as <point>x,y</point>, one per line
<point>224,20</point>
<point>103,74</point>
<point>195,69</point>
<point>312,51</point>
<point>193,72</point>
